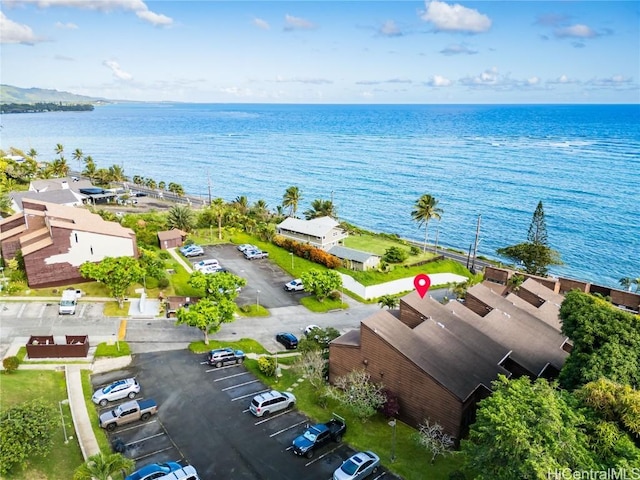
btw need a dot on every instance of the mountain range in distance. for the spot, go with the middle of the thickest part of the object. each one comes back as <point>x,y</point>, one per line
<point>11,94</point>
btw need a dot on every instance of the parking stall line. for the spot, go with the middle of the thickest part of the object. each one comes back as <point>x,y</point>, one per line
<point>84,307</point>
<point>42,309</point>
<point>231,376</point>
<point>316,459</point>
<point>265,419</point>
<point>286,429</point>
<point>215,369</point>
<point>139,425</point>
<point>249,395</point>
<point>240,385</point>
<point>24,305</point>
<point>153,453</point>
<point>145,438</point>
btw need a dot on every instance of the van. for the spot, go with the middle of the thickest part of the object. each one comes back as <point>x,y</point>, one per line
<point>202,264</point>
<point>68,302</point>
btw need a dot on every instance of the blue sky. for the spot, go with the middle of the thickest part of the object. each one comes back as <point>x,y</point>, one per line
<point>326,51</point>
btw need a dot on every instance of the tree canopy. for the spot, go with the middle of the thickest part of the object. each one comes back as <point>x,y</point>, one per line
<point>217,304</point>
<point>321,282</point>
<point>117,273</point>
<point>526,430</point>
<point>535,254</point>
<point>425,209</point>
<point>606,342</point>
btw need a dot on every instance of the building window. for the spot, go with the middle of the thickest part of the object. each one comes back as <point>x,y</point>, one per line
<point>91,248</point>
<point>76,237</point>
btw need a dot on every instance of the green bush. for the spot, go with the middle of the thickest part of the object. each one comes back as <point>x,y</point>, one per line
<point>414,250</point>
<point>395,255</point>
<point>267,366</point>
<point>11,364</point>
<point>163,282</point>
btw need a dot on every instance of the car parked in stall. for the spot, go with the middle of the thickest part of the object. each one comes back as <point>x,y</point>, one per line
<point>128,387</point>
<point>294,285</point>
<point>224,356</point>
<point>271,402</point>
<point>194,252</point>
<point>154,470</point>
<point>358,466</point>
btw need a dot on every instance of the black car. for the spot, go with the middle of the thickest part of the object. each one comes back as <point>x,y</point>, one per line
<point>289,340</point>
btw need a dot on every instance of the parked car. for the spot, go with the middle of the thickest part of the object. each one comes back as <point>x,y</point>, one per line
<point>271,402</point>
<point>128,387</point>
<point>194,252</point>
<point>128,412</point>
<point>255,254</point>
<point>358,466</point>
<point>209,262</point>
<point>185,473</point>
<point>288,340</point>
<point>154,470</point>
<point>214,269</point>
<point>186,248</point>
<point>310,328</point>
<point>223,356</point>
<point>247,246</point>
<point>318,435</point>
<point>294,286</point>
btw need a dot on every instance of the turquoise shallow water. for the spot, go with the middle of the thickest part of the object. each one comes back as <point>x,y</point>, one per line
<point>582,161</point>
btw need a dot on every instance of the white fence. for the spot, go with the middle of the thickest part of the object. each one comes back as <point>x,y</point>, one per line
<point>396,286</point>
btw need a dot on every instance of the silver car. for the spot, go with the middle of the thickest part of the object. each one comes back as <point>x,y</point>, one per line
<point>271,402</point>
<point>129,387</point>
<point>358,466</point>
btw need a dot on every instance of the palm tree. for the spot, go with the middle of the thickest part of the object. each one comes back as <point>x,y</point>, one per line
<point>150,183</point>
<point>33,153</point>
<point>241,204</point>
<point>116,173</point>
<point>425,209</point>
<point>138,180</point>
<point>59,149</point>
<point>321,208</point>
<point>291,198</point>
<point>181,217</point>
<point>176,188</point>
<point>626,283</point>
<point>58,168</point>
<point>78,155</point>
<point>218,210</point>
<point>89,167</point>
<point>162,185</point>
<point>260,210</point>
<point>103,466</point>
<point>389,301</point>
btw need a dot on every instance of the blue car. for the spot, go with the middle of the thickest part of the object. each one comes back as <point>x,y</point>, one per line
<point>154,470</point>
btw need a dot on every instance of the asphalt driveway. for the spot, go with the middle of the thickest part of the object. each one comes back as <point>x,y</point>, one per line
<point>265,279</point>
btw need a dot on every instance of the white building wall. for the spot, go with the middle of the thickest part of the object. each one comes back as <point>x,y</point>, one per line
<point>93,247</point>
<point>396,286</point>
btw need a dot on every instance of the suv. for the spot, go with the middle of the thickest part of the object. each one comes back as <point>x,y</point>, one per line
<point>271,402</point>
<point>129,387</point>
<point>194,252</point>
<point>289,340</point>
<point>294,286</point>
<point>222,356</point>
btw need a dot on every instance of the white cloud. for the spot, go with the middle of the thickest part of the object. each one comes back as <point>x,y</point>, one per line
<point>455,18</point>
<point>12,32</point>
<point>138,6</point>
<point>312,81</point>
<point>297,23</point>
<point>613,81</point>
<point>390,29</point>
<point>117,71</point>
<point>533,81</point>
<point>575,31</point>
<point>457,49</point>
<point>155,19</point>
<point>66,26</point>
<point>439,81</point>
<point>260,23</point>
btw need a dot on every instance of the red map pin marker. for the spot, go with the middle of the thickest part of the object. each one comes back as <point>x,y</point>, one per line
<point>422,283</point>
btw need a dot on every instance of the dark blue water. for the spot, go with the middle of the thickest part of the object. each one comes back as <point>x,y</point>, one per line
<point>581,161</point>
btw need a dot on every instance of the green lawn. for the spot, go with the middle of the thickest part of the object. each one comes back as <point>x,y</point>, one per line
<point>63,459</point>
<point>372,277</point>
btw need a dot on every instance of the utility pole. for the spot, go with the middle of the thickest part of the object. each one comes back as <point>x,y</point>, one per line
<point>475,246</point>
<point>469,255</point>
<point>209,185</point>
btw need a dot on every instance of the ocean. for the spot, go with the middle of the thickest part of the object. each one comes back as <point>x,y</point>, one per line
<point>375,161</point>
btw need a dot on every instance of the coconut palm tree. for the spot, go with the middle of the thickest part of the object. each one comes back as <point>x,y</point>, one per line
<point>181,217</point>
<point>116,173</point>
<point>33,153</point>
<point>176,188</point>
<point>241,204</point>
<point>426,208</point>
<point>162,185</point>
<point>291,198</point>
<point>103,466</point>
<point>59,149</point>
<point>89,167</point>
<point>78,156</point>
<point>218,209</point>
<point>150,183</point>
<point>389,301</point>
<point>626,283</point>
<point>321,208</point>
<point>260,210</point>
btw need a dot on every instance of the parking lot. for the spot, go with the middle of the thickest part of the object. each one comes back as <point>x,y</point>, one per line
<point>203,420</point>
<point>265,279</point>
